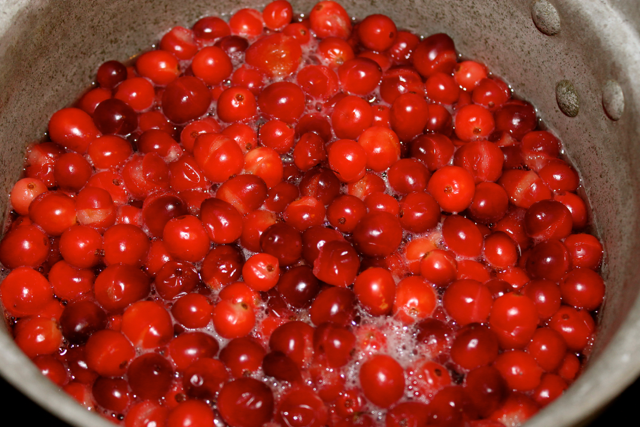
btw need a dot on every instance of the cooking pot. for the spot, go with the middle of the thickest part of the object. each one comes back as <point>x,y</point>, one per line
<point>578,62</point>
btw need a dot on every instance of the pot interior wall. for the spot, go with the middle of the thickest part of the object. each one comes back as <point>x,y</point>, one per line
<point>51,50</point>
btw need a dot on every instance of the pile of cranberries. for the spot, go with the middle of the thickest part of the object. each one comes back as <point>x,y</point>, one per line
<point>283,220</point>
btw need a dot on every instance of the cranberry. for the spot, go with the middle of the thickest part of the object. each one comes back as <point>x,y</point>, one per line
<point>475,345</point>
<point>24,246</point>
<point>110,74</point>
<point>382,380</point>
<point>246,22</point>
<point>185,99</point>
<point>467,301</point>
<point>329,19</point>
<point>350,117</point>
<point>514,319</point>
<point>415,299</point>
<point>434,54</point>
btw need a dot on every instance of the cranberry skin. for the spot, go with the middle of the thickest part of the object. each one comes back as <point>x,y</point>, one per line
<point>80,320</point>
<point>516,118</point>
<point>109,353</point>
<point>382,147</point>
<point>318,81</point>
<point>345,212</point>
<point>582,288</point>
<point>72,172</point>
<point>483,159</point>
<point>159,208</point>
<point>25,292</point>
<point>548,260</point>
<point>283,101</point>
<point>402,48</point>
<point>560,176</point>
<point>377,234</point>
<point>334,304</point>
<point>210,28</point>
<point>490,203</point>
<point>453,188</point>
<point>398,81</point>
<point>174,278</point>
<point>337,263</point>
<point>23,193</point>
<point>377,32</point>
<point>283,242</point>
<point>186,238</point>
<point>519,369</point>
<point>72,129</point>
<point>112,394</point>
<point>348,159</point>
<point>222,266</point>
<point>111,73</point>
<point>500,251</point>
<point>439,267</point>
<point>473,122</point>
<point>546,295</point>
<point>118,286</point>
<point>53,211</point>
<point>302,406</point>
<point>279,366</point>
<point>408,115</point>
<point>146,413</point>
<point>436,53</point>
<point>26,246</point>
<point>299,286</point>
<point>150,376</point>
<point>475,345</point>
<point>351,116</point>
<point>191,346</point>
<point>245,192</point>
<point>382,380</point>
<point>321,184</point>
<point>585,251</point>
<point>233,45</point>
<point>242,356</point>
<point>125,244</point>
<point>548,219</point>
<point>462,236</point>
<point>192,311</point>
<point>246,402</point>
<point>191,413</point>
<point>246,22</point>
<point>491,93</point>
<point>548,348</point>
<point>147,324</point>
<point>113,116</point>
<point>486,389</point>
<point>222,221</point>
<point>415,299</point>
<point>524,187</point>
<point>359,76</point>
<point>514,319</point>
<point>185,99</point>
<point>329,19</point>
<point>276,55</point>
<point>467,301</point>
<point>376,290</point>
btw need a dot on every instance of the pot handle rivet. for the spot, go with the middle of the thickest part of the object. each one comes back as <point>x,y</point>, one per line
<point>546,17</point>
<point>612,99</point>
<point>567,98</point>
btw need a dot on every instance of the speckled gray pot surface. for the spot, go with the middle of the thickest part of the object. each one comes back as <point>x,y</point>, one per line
<point>578,56</point>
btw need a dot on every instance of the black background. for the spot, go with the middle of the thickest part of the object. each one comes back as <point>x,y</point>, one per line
<point>30,414</point>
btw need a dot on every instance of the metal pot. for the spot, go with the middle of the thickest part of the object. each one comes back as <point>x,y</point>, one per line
<point>578,62</point>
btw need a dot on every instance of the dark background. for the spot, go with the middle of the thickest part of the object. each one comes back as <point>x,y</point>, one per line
<point>30,414</point>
